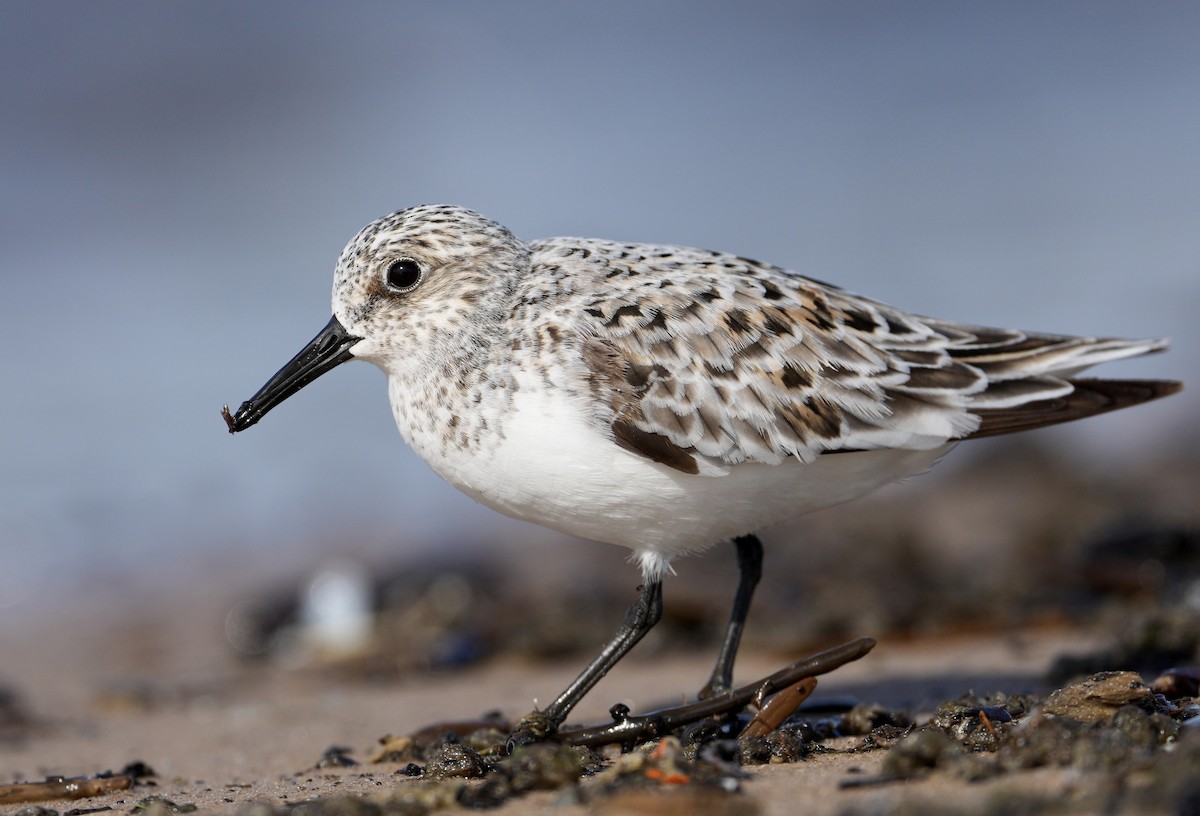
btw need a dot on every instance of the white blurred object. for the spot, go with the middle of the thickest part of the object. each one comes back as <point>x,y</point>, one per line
<point>335,611</point>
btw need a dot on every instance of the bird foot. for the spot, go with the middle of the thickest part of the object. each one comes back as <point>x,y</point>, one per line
<point>533,727</point>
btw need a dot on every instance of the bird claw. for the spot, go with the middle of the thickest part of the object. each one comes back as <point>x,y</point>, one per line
<point>533,727</point>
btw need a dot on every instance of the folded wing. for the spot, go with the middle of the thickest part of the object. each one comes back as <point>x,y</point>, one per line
<point>710,360</point>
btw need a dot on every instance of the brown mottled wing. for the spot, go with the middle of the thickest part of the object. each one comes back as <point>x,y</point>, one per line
<point>703,360</point>
<point>619,389</point>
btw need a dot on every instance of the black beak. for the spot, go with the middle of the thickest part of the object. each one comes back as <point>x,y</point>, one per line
<point>329,349</point>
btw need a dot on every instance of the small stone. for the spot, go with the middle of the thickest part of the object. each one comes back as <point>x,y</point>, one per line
<point>1097,698</point>
<point>456,760</point>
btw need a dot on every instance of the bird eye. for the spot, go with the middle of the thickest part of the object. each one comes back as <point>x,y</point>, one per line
<point>403,276</point>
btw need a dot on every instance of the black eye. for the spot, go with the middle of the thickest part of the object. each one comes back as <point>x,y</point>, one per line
<point>403,275</point>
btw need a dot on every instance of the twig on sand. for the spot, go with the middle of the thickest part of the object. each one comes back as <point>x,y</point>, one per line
<point>627,729</point>
<point>58,787</point>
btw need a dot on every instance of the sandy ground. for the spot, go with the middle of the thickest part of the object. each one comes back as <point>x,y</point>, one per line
<point>220,735</point>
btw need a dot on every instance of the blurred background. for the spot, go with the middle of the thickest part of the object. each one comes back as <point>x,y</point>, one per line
<point>178,179</point>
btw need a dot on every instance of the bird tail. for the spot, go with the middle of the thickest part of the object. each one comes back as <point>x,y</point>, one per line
<point>1087,397</point>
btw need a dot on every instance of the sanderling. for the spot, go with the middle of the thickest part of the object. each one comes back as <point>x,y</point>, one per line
<point>666,398</point>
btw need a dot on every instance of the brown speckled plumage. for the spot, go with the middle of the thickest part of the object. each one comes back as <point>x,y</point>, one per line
<point>599,387</point>
<point>666,398</point>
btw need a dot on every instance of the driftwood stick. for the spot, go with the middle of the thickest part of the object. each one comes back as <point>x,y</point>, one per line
<point>75,787</point>
<point>629,729</point>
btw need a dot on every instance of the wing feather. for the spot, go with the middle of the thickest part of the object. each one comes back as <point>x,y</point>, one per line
<point>701,360</point>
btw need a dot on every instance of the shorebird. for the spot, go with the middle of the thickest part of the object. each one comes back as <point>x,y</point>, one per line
<point>666,398</point>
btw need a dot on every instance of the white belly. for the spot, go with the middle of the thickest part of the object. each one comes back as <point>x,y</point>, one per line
<point>552,468</point>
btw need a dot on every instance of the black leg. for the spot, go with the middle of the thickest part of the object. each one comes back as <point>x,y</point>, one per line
<point>749,556</point>
<point>639,620</point>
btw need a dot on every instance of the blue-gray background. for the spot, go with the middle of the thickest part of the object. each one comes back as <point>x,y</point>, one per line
<point>178,179</point>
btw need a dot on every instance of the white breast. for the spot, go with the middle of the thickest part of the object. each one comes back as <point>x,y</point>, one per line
<point>550,466</point>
